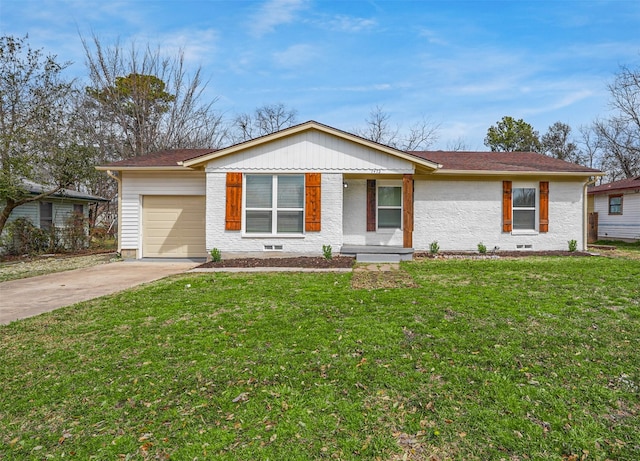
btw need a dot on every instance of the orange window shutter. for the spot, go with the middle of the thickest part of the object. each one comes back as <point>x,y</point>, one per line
<point>312,202</point>
<point>507,210</point>
<point>544,206</point>
<point>233,215</point>
<point>371,205</point>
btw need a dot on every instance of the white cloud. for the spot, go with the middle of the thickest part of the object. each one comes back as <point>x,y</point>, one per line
<point>296,56</point>
<point>274,13</point>
<point>344,23</point>
<point>198,46</point>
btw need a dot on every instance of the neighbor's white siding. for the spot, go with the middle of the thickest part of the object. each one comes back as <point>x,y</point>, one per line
<point>61,210</point>
<point>625,226</point>
<point>309,243</point>
<point>311,151</point>
<point>137,184</point>
<point>28,210</point>
<point>460,214</point>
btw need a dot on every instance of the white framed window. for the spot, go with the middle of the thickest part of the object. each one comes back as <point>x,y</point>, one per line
<point>274,204</point>
<point>615,204</point>
<point>524,208</point>
<point>389,202</point>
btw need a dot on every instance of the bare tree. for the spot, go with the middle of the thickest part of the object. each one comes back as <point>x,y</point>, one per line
<point>457,145</point>
<point>264,120</point>
<point>378,128</point>
<point>140,101</point>
<point>619,135</point>
<point>589,147</point>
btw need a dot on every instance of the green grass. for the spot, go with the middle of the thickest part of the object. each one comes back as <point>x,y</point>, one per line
<point>532,359</point>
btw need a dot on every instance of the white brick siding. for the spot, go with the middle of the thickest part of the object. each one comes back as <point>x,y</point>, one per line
<point>309,243</point>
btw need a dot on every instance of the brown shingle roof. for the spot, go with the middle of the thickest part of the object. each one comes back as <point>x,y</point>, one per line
<point>501,161</point>
<point>163,158</point>
<point>629,183</point>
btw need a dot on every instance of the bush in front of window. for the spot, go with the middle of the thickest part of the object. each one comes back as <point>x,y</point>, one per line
<point>75,235</point>
<point>21,237</point>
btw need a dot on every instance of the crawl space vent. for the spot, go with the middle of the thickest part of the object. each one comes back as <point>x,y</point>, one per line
<point>524,247</point>
<point>273,248</point>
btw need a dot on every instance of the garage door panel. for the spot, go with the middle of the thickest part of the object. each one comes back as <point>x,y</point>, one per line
<point>173,226</point>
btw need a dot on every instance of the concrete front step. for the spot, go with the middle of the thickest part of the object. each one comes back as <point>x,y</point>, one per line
<point>379,258</point>
<point>377,254</point>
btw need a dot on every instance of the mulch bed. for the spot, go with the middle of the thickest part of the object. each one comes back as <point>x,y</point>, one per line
<point>497,254</point>
<point>310,262</point>
<point>319,262</point>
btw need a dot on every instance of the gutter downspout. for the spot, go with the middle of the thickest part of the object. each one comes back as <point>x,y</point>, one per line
<point>115,175</point>
<point>585,214</point>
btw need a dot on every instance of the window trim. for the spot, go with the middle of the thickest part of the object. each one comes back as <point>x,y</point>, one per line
<point>621,197</point>
<point>273,209</point>
<point>48,224</point>
<point>389,183</point>
<point>533,208</point>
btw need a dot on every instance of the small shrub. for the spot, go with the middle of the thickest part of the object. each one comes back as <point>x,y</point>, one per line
<point>482,248</point>
<point>434,247</point>
<point>327,252</point>
<point>76,232</point>
<point>573,245</point>
<point>22,237</point>
<point>216,255</point>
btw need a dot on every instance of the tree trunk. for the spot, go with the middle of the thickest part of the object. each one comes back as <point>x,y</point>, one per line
<point>6,212</point>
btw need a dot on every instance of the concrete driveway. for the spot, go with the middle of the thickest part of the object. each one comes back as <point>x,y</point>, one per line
<point>24,298</point>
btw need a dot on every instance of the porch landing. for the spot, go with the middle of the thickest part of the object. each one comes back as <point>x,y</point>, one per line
<point>377,254</point>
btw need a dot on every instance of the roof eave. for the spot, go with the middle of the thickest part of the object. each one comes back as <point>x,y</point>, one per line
<point>143,168</point>
<point>516,173</point>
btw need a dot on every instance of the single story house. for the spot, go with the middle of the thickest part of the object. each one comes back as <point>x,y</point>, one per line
<point>617,205</point>
<point>55,209</point>
<point>312,185</point>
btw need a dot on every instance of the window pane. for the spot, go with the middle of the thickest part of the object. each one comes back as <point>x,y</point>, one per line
<point>524,219</point>
<point>615,205</point>
<point>259,190</point>
<point>290,192</point>
<point>389,196</point>
<point>258,222</point>
<point>389,219</point>
<point>524,197</point>
<point>46,215</point>
<point>290,222</point>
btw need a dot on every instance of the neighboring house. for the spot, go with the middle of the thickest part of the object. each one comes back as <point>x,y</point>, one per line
<point>53,210</point>
<point>617,205</point>
<point>312,185</point>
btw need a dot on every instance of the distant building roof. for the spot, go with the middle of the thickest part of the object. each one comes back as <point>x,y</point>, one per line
<point>629,183</point>
<point>35,189</point>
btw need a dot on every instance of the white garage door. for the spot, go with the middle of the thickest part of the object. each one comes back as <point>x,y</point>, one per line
<point>173,226</point>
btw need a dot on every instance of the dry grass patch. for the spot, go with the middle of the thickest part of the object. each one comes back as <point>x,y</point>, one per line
<point>381,276</point>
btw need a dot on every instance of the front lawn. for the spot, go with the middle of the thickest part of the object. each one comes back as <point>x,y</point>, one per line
<point>533,358</point>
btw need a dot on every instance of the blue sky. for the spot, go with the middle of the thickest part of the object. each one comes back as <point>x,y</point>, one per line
<point>461,64</point>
